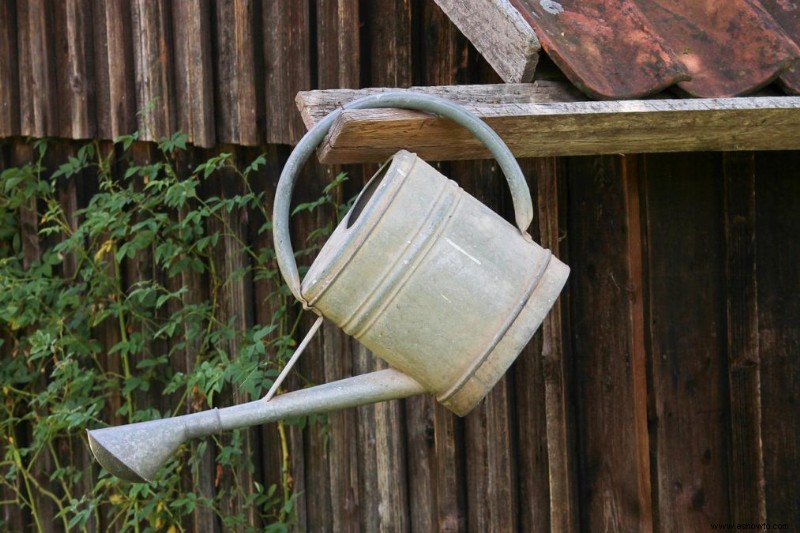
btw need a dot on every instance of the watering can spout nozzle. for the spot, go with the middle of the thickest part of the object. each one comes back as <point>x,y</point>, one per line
<point>135,452</point>
<point>111,462</point>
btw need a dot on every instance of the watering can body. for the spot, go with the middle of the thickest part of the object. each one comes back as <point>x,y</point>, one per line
<point>424,275</point>
<point>433,281</point>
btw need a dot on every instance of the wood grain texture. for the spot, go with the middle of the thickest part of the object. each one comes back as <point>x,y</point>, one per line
<point>490,469</point>
<point>613,454</point>
<point>185,358</point>
<point>316,105</point>
<point>287,58</point>
<point>421,446</point>
<point>338,44</point>
<point>37,77</point>
<point>778,224</point>
<point>388,26</point>
<point>9,74</point>
<point>382,453</point>
<point>446,55</point>
<point>536,130</point>
<point>317,483</point>
<point>115,90</point>
<point>343,443</point>
<point>194,77</point>
<point>746,458</point>
<point>556,364</point>
<point>152,59</point>
<point>533,453</point>
<point>74,47</point>
<point>237,67</point>
<point>499,33</point>
<point>267,304</point>
<point>686,332</point>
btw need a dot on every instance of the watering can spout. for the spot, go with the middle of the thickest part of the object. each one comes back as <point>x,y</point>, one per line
<point>135,452</point>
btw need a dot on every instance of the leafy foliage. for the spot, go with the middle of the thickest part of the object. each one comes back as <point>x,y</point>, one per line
<point>102,320</point>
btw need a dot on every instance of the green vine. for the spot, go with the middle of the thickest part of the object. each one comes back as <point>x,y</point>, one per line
<point>85,340</point>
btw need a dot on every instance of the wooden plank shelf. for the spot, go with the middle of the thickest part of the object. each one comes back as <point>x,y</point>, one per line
<point>548,119</point>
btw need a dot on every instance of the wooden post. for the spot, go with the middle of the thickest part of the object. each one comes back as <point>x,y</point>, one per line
<point>435,435</point>
<point>747,461</point>
<point>686,334</point>
<point>606,294</point>
<point>113,68</point>
<point>778,281</point>
<point>511,46</point>
<point>338,44</point>
<point>555,358</point>
<point>75,69</point>
<point>9,73</point>
<point>287,58</point>
<point>37,82</point>
<point>152,59</point>
<point>237,78</point>
<point>194,80</point>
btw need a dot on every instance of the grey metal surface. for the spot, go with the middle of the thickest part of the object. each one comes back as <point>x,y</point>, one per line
<point>433,282</point>
<point>135,452</point>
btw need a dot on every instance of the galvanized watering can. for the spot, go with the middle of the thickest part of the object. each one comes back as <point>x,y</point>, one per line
<point>421,273</point>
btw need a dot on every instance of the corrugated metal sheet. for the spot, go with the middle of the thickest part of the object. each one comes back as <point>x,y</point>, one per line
<point>633,48</point>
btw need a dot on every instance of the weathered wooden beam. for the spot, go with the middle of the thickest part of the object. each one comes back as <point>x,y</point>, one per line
<point>315,105</point>
<point>534,123</point>
<point>499,33</point>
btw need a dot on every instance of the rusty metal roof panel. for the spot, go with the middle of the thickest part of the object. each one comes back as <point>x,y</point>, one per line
<point>620,49</point>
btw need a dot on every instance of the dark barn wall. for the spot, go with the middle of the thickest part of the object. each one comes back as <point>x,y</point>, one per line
<point>661,394</point>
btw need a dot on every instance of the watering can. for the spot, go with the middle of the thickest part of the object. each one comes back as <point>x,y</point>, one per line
<point>424,275</point>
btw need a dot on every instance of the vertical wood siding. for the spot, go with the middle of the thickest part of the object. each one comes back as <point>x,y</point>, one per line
<point>660,393</point>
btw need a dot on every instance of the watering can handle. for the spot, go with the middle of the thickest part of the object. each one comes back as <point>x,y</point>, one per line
<point>520,194</point>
